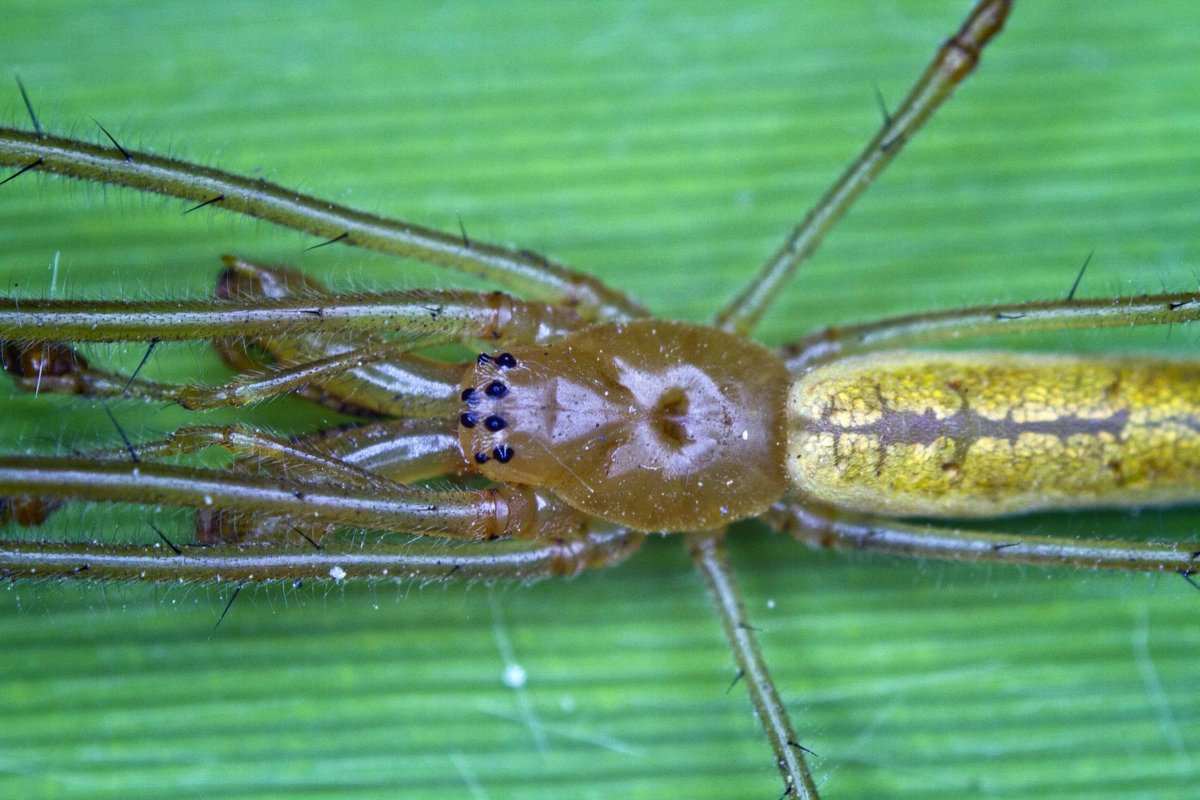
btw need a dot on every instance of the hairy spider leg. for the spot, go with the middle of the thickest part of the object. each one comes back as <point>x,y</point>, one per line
<point>255,453</point>
<point>563,542</point>
<point>825,527</point>
<point>375,456</point>
<point>711,561</point>
<point>954,61</point>
<point>412,315</point>
<point>327,344</point>
<point>363,389</point>
<point>934,327</point>
<point>521,271</point>
<point>403,450</point>
<point>394,452</point>
<point>421,560</point>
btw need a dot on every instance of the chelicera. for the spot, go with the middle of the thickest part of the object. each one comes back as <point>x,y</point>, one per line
<point>587,425</point>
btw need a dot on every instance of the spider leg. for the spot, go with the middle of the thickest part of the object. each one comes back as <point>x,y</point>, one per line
<point>501,512</point>
<point>330,491</point>
<point>964,323</point>
<point>410,315</point>
<point>424,560</point>
<point>708,554</point>
<point>402,450</point>
<point>403,397</point>
<point>329,348</point>
<point>521,271</point>
<point>369,387</point>
<point>366,389</point>
<point>955,60</point>
<point>278,456</point>
<point>379,379</point>
<point>823,526</point>
<point>373,457</point>
<point>381,453</point>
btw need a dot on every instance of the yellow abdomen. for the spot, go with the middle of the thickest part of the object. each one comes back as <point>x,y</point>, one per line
<point>986,434</point>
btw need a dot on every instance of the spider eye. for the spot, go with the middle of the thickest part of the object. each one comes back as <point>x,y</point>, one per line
<point>496,389</point>
<point>503,453</point>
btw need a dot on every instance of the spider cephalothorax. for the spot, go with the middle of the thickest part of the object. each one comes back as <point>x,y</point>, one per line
<point>618,423</point>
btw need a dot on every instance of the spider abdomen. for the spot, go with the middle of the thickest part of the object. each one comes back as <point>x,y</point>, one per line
<point>655,425</point>
<point>988,434</point>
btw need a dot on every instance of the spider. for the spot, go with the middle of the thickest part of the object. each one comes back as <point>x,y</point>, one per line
<point>492,378</point>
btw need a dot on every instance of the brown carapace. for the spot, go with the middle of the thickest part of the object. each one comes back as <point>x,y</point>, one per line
<point>659,426</point>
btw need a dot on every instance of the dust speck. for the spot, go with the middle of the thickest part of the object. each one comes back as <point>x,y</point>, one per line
<point>514,676</point>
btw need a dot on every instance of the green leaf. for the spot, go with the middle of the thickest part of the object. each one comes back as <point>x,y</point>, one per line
<point>667,148</point>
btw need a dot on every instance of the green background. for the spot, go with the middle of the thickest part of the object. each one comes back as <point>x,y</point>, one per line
<point>666,147</point>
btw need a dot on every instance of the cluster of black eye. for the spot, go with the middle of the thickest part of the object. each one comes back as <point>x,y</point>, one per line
<point>501,452</point>
<point>504,360</point>
<point>493,422</point>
